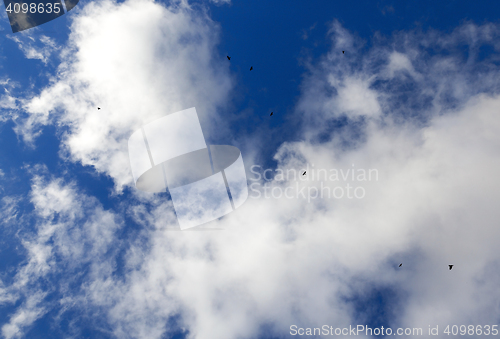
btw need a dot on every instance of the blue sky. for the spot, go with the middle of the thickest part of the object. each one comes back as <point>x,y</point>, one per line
<point>84,254</point>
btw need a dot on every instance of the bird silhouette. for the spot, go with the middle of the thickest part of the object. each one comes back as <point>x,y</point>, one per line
<point>271,114</point>
<point>251,67</point>
<point>451,266</point>
<point>342,52</point>
<point>98,108</point>
<point>400,264</point>
<point>228,57</point>
<point>304,173</point>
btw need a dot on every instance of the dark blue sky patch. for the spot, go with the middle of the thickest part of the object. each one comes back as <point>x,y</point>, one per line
<point>174,331</point>
<point>375,306</point>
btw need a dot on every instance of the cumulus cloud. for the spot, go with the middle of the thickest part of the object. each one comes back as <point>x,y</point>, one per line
<point>137,61</point>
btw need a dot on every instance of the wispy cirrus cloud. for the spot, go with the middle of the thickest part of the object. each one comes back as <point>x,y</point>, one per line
<point>413,75</point>
<point>41,48</point>
<point>72,234</point>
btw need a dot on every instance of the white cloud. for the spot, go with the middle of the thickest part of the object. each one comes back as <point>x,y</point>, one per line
<point>9,209</point>
<point>7,100</point>
<point>355,98</point>
<point>25,315</point>
<point>400,62</point>
<point>40,48</point>
<point>71,230</point>
<point>397,77</point>
<point>138,61</point>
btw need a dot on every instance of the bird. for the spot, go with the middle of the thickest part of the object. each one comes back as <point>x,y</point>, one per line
<point>400,264</point>
<point>98,108</point>
<point>342,52</point>
<point>251,67</point>
<point>271,114</point>
<point>304,173</point>
<point>451,266</point>
<point>228,57</point>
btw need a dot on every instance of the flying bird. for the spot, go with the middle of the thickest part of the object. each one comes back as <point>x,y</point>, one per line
<point>251,67</point>
<point>271,114</point>
<point>304,173</point>
<point>98,108</point>
<point>228,57</point>
<point>451,266</point>
<point>342,52</point>
<point>400,264</point>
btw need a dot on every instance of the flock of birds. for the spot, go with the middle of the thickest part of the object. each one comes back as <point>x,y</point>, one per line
<point>251,68</point>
